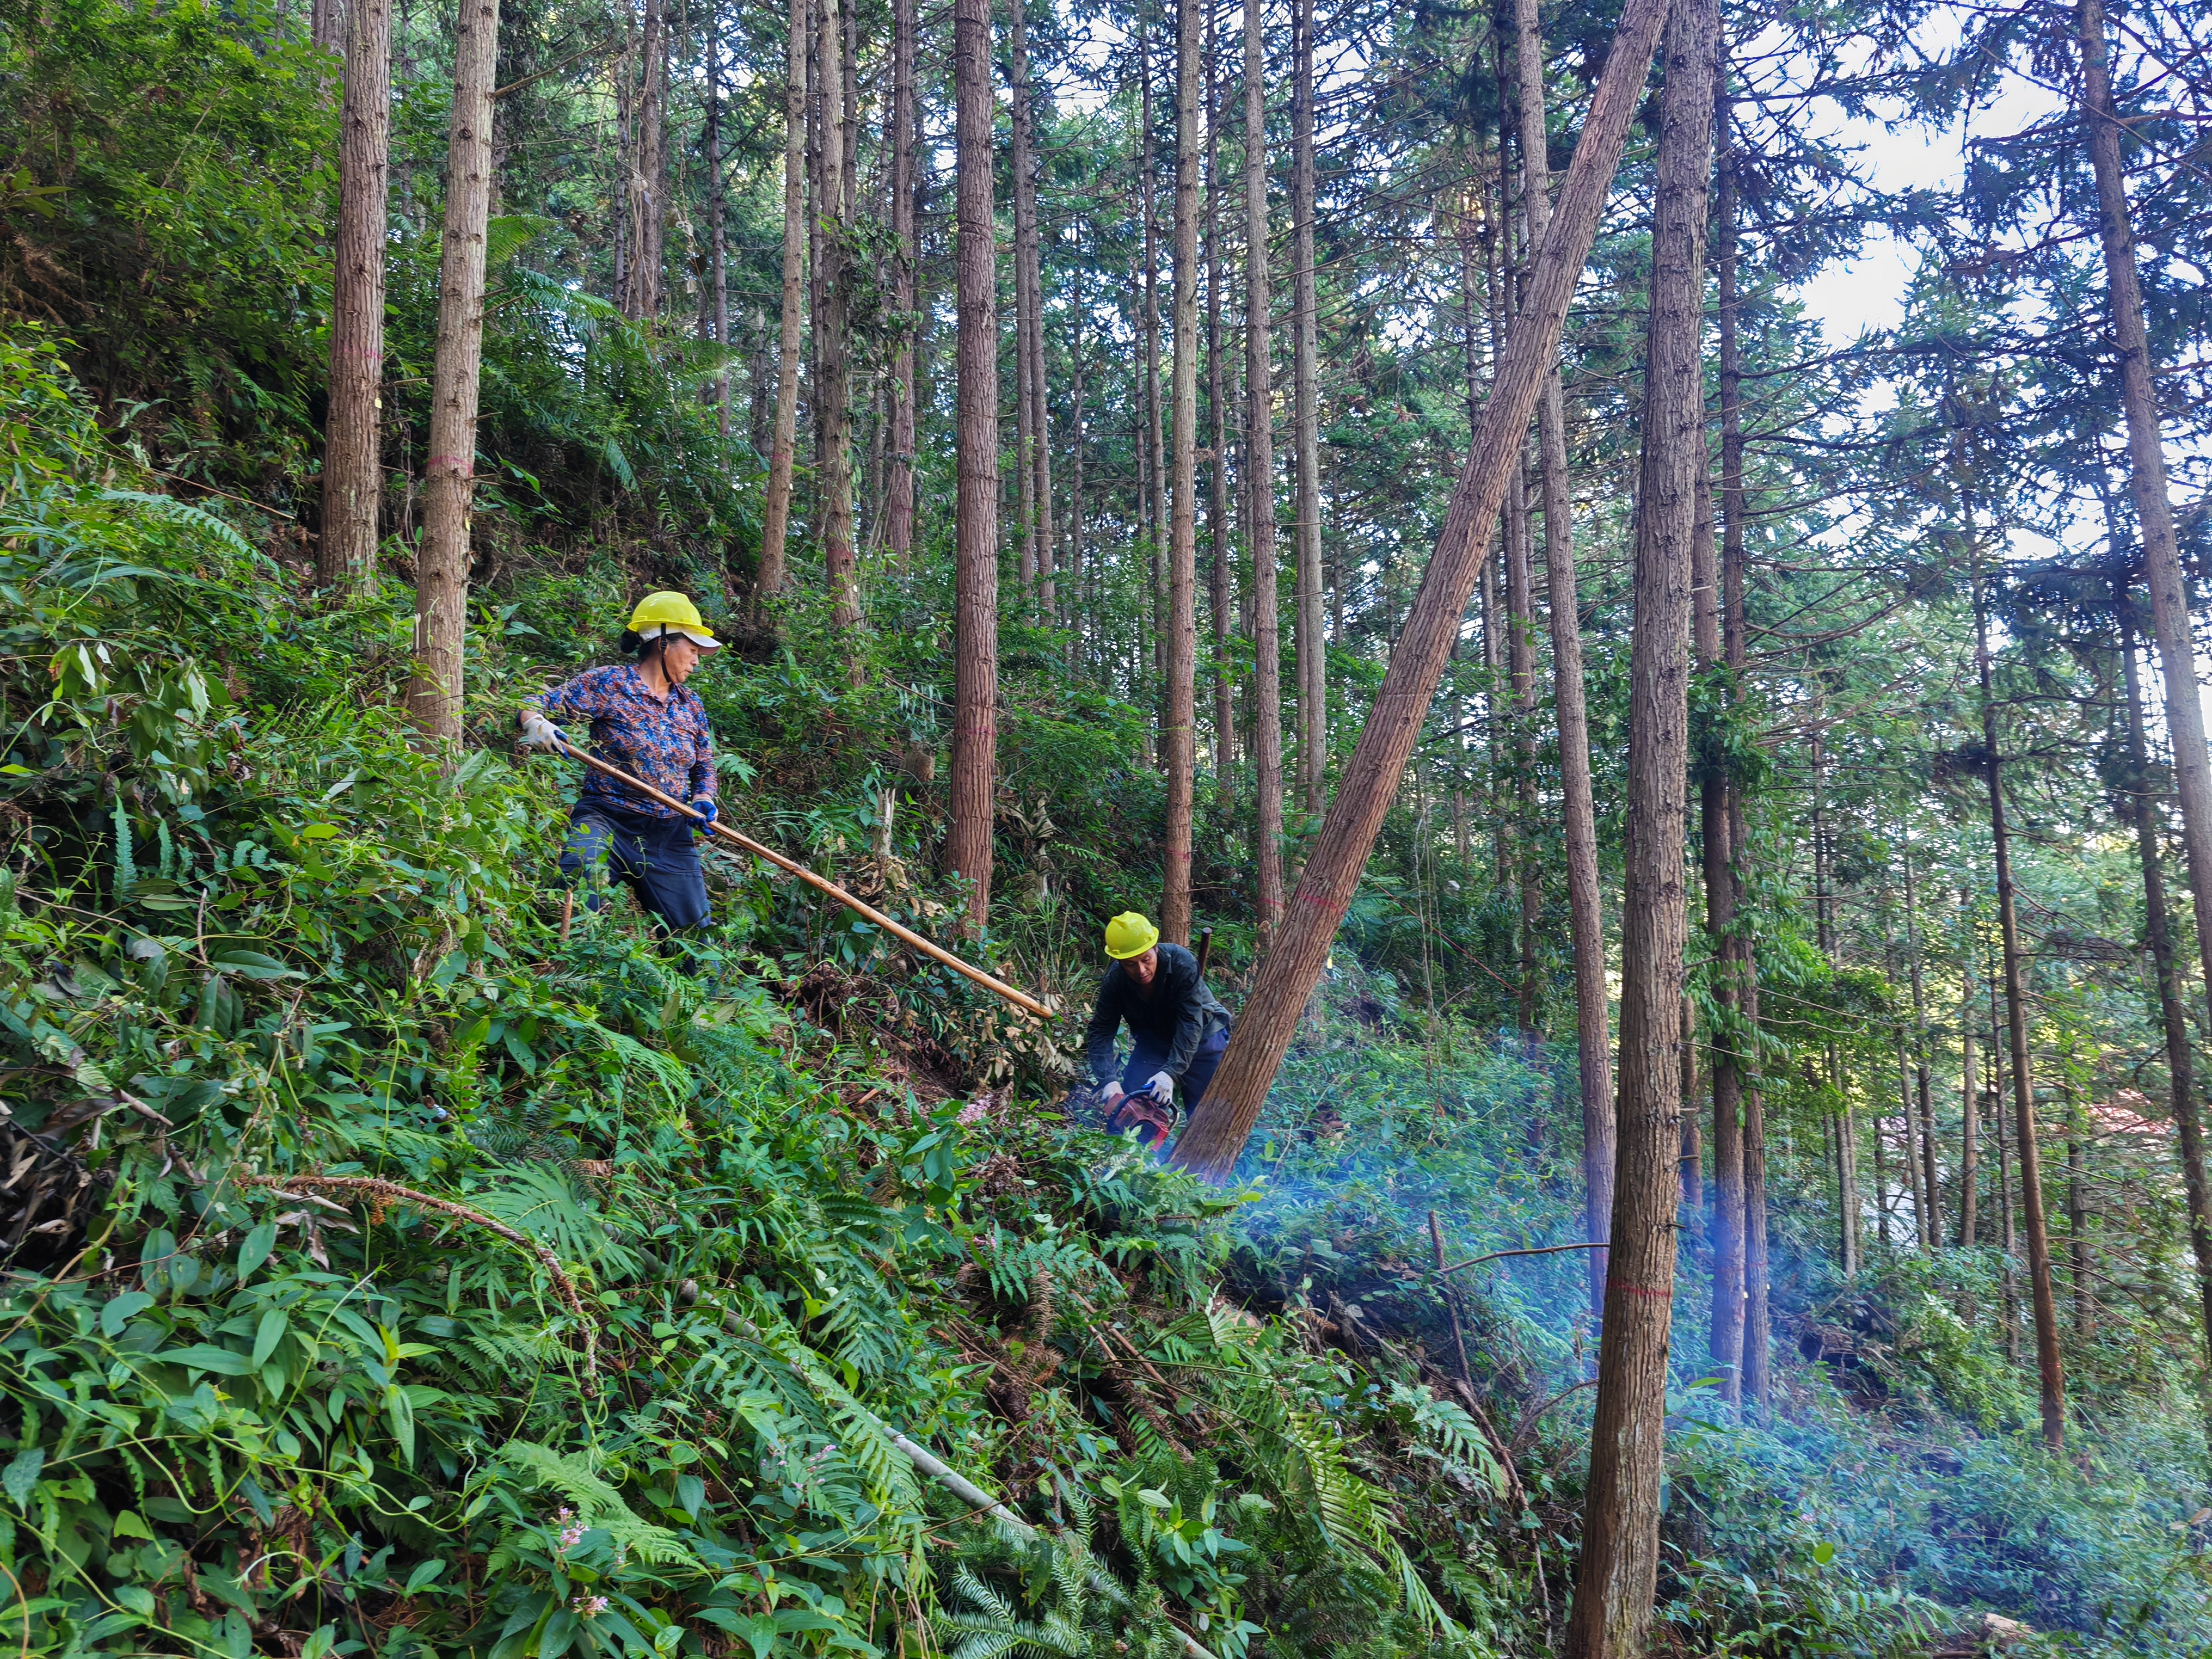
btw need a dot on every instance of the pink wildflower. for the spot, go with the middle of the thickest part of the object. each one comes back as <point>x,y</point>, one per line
<point>974,1111</point>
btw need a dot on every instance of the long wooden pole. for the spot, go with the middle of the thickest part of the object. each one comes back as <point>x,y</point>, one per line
<point>1021,999</point>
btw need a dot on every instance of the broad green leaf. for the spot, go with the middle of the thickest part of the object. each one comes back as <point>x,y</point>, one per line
<point>128,1525</point>
<point>691,1493</point>
<point>560,1631</point>
<point>423,1575</point>
<point>203,1357</point>
<point>137,1598</point>
<point>268,1335</point>
<point>121,1309</point>
<point>402,1411</point>
<point>320,1642</point>
<point>259,1243</point>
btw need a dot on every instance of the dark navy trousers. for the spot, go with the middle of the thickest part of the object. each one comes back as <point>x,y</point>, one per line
<point>1146,1062</point>
<point>655,856</point>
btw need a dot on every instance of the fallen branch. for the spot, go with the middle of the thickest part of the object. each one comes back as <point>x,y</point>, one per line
<point>1548,1250</point>
<point>390,1191</point>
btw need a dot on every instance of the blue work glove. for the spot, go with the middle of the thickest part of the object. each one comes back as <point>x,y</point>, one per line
<point>708,812</point>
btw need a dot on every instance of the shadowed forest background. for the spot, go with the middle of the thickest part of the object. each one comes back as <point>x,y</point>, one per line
<point>1057,411</point>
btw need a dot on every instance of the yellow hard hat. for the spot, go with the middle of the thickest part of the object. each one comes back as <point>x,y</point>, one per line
<point>1130,935</point>
<point>672,613</point>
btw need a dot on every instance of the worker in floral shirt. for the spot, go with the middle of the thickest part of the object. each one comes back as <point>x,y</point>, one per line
<point>643,719</point>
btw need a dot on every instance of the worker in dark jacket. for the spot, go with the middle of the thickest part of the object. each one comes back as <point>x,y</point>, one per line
<point>1177,1027</point>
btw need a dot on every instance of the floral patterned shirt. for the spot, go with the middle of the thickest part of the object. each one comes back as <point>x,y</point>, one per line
<point>667,743</point>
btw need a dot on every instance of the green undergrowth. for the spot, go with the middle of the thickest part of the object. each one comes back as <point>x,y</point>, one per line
<point>398,1266</point>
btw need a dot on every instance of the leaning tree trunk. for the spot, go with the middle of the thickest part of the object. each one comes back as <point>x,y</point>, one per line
<point>2050,1364</point>
<point>353,476</point>
<point>2143,810</point>
<point>1370,781</point>
<point>775,520</point>
<point>976,530</point>
<point>1577,805</point>
<point>441,568</point>
<point>1312,646</point>
<point>1619,1565</point>
<point>1181,747</point>
<point>898,485</point>
<point>1260,533</point>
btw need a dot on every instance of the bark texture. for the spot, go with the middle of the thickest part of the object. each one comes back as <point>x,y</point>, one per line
<point>353,476</point>
<point>1620,1564</point>
<point>775,520</point>
<point>905,181</point>
<point>1577,805</point>
<point>1292,968</point>
<point>833,362</point>
<point>975,532</point>
<point>1312,646</point>
<point>1260,533</point>
<point>442,566</point>
<point>2147,481</point>
<point>1181,729</point>
<point>2051,1366</point>
<point>2143,806</point>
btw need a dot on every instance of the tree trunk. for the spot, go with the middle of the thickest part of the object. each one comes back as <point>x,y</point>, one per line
<point>441,567</point>
<point>2050,1364</point>
<point>905,183</point>
<point>329,26</point>
<point>1970,1127</point>
<point>775,520</point>
<point>1028,346</point>
<point>2169,593</point>
<point>2077,1220</point>
<point>1620,1564</point>
<point>1216,1135</point>
<point>975,533</point>
<point>1930,1214</point>
<point>2142,808</point>
<point>717,230</point>
<point>1311,647</point>
<point>833,366</point>
<point>643,293</point>
<point>1181,748</point>
<point>1578,810</point>
<point>1025,301</point>
<point>1083,609</point>
<point>1154,513</point>
<point>1221,568</point>
<point>1260,533</point>
<point>353,473</point>
<point>1719,817</point>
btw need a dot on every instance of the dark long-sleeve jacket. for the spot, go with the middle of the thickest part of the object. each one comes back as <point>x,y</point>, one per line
<point>1174,1019</point>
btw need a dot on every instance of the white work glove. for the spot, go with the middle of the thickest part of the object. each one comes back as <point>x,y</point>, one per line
<point>1110,1090</point>
<point>538,733</point>
<point>1161,1088</point>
